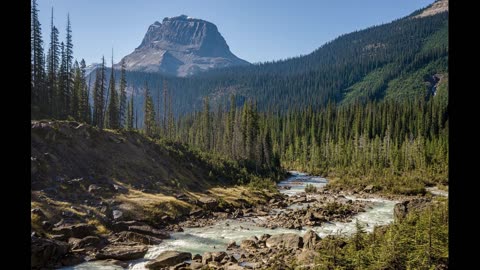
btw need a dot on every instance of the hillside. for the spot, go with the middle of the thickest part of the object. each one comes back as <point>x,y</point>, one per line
<point>76,169</point>
<point>366,64</point>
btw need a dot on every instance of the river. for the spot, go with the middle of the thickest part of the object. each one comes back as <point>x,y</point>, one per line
<point>217,236</point>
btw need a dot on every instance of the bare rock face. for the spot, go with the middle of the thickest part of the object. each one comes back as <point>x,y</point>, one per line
<point>181,46</point>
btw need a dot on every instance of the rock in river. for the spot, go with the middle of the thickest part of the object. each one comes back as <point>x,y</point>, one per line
<point>168,258</point>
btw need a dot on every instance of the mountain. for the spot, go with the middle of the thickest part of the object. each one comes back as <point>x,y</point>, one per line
<point>181,46</point>
<point>403,59</point>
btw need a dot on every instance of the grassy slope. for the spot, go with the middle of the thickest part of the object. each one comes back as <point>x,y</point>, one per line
<point>68,157</point>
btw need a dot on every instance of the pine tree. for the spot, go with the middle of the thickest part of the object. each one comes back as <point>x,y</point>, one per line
<point>62,96</point>
<point>52,70</point>
<point>206,124</point>
<point>123,96</point>
<point>98,97</point>
<point>68,68</point>
<point>130,116</point>
<point>37,62</point>
<point>149,113</point>
<point>76,91</point>
<point>84,106</point>
<point>113,112</point>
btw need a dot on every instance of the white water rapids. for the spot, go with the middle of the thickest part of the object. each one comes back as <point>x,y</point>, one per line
<point>216,237</point>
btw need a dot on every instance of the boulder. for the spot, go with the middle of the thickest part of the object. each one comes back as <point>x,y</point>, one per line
<point>218,256</point>
<point>117,214</point>
<point>310,239</point>
<point>196,265</point>
<point>208,202</point>
<point>207,257</point>
<point>168,258</point>
<point>46,252</point>
<point>122,252</point>
<point>248,244</point>
<point>80,230</point>
<point>128,236</point>
<point>89,242</point>
<point>231,245</point>
<point>197,257</point>
<point>369,189</point>
<point>148,230</point>
<point>94,188</point>
<point>287,240</point>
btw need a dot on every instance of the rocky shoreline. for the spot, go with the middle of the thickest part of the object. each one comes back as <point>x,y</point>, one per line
<point>72,243</point>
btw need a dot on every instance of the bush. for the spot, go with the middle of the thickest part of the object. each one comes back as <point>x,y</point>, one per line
<point>310,188</point>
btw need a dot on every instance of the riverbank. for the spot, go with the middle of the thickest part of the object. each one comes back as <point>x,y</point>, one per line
<point>215,231</point>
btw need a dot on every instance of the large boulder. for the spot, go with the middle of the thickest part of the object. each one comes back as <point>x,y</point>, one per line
<point>89,242</point>
<point>168,258</point>
<point>401,209</point>
<point>208,202</point>
<point>310,239</point>
<point>122,252</point>
<point>80,230</point>
<point>287,240</point>
<point>128,236</point>
<point>148,230</point>
<point>248,244</point>
<point>46,252</point>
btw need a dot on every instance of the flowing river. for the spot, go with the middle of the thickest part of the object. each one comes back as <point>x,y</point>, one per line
<point>217,236</point>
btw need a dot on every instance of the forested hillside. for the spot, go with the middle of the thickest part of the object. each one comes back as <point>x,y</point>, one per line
<point>392,61</point>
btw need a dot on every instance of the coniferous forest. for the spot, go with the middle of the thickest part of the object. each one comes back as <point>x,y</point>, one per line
<point>369,108</point>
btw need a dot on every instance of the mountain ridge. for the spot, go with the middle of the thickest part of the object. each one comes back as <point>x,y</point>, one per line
<point>181,46</point>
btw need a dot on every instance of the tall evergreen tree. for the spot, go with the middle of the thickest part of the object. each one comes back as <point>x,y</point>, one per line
<point>68,68</point>
<point>123,96</point>
<point>37,61</point>
<point>149,113</point>
<point>113,110</point>
<point>52,69</point>
<point>130,115</point>
<point>84,106</point>
<point>99,96</point>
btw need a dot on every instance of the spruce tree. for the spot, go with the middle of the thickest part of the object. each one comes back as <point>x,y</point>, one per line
<point>123,97</point>
<point>37,61</point>
<point>98,97</point>
<point>113,112</point>
<point>52,70</point>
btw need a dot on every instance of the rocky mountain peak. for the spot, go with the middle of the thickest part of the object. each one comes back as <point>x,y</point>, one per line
<point>182,46</point>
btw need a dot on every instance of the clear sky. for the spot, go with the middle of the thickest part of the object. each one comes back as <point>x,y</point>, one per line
<point>255,30</point>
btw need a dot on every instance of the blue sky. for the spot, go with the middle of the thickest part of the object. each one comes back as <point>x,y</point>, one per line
<point>255,30</point>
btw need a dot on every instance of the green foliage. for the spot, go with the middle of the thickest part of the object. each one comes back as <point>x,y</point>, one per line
<point>420,241</point>
<point>309,188</point>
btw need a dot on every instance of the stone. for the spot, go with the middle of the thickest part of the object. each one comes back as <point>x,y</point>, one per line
<point>218,256</point>
<point>94,188</point>
<point>80,230</point>
<point>46,252</point>
<point>89,242</point>
<point>127,236</point>
<point>310,239</point>
<point>287,240</point>
<point>122,252</point>
<point>117,214</point>
<point>196,265</point>
<point>207,257</point>
<point>168,258</point>
<point>248,244</point>
<point>47,226</point>
<point>232,244</point>
<point>148,230</point>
